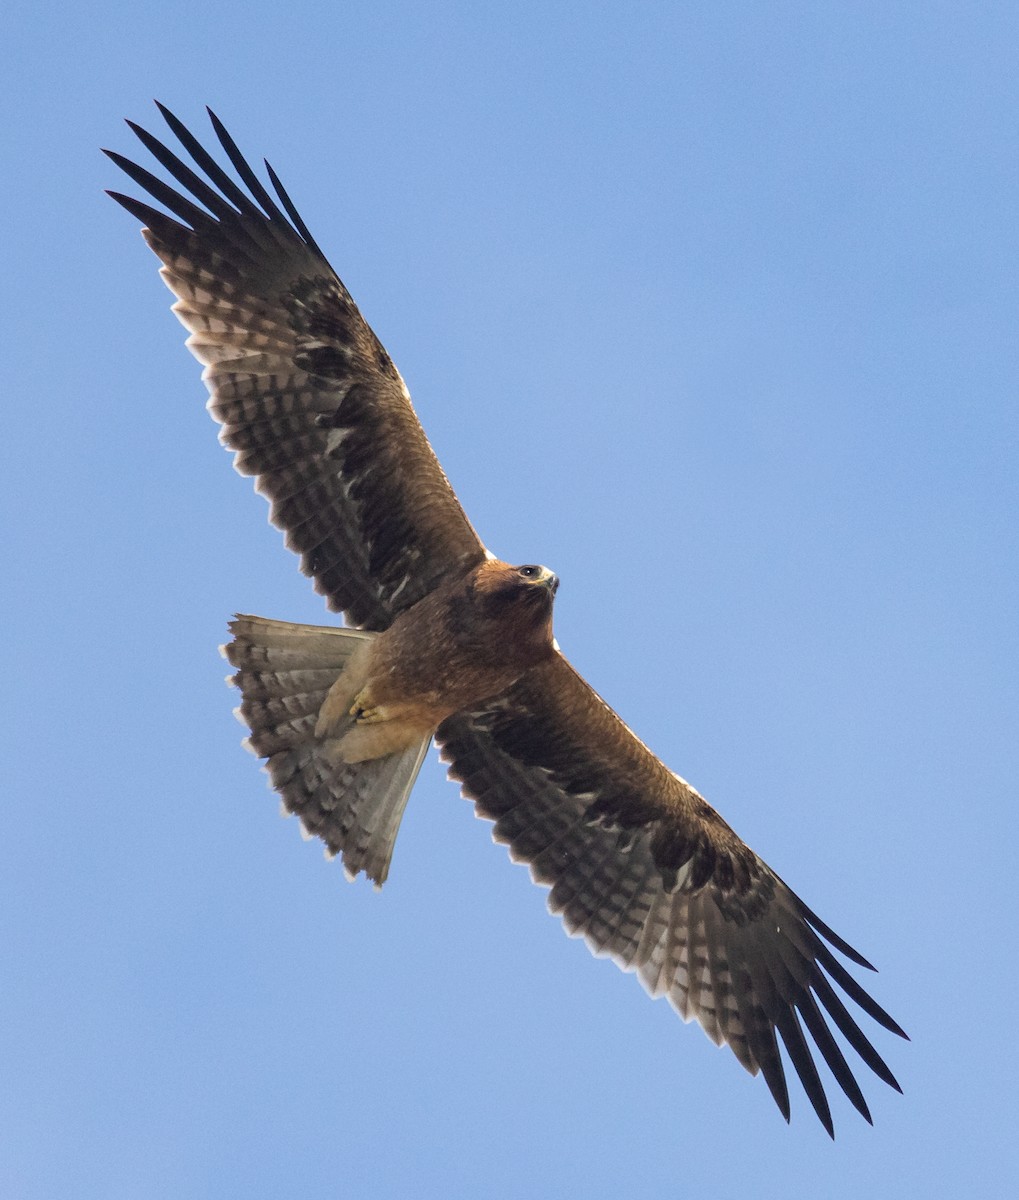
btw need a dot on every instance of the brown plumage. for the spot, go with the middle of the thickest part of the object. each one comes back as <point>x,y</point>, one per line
<point>468,640</point>
<point>444,640</point>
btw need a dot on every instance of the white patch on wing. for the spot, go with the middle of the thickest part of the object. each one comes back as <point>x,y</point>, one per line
<point>336,437</point>
<point>398,590</point>
<point>686,785</point>
<point>683,874</point>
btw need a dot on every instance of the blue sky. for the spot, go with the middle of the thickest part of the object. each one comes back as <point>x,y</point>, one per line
<point>710,307</point>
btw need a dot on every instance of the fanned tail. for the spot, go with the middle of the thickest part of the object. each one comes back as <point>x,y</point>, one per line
<point>284,672</point>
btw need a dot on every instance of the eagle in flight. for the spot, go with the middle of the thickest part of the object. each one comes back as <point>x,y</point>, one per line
<point>444,641</point>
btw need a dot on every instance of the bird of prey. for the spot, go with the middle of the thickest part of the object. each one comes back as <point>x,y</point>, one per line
<point>445,642</point>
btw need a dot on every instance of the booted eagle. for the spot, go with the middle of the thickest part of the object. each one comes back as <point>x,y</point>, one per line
<point>443,641</point>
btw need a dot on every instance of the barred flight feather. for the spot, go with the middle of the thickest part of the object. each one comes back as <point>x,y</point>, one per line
<point>635,860</point>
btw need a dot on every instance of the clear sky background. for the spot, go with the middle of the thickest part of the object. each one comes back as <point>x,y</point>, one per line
<point>712,308</point>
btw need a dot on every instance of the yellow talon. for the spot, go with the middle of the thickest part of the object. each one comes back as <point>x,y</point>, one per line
<point>365,713</point>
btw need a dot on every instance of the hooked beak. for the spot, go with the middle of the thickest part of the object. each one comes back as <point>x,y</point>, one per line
<point>548,579</point>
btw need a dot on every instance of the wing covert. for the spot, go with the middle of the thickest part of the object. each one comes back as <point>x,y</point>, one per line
<point>304,392</point>
<point>643,869</point>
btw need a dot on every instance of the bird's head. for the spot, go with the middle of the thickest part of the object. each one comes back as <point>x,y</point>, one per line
<point>517,598</point>
<point>531,576</point>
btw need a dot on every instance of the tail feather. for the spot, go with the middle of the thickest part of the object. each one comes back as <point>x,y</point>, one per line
<point>284,672</point>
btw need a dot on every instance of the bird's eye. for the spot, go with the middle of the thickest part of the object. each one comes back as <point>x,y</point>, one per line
<point>530,572</point>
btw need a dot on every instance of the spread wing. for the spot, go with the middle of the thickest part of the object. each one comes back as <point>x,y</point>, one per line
<point>303,389</point>
<point>650,875</point>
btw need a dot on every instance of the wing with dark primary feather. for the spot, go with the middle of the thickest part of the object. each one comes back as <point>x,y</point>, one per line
<point>638,864</point>
<point>304,391</point>
<point>651,876</point>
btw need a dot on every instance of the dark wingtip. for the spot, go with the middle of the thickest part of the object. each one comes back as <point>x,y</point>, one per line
<point>885,1021</point>
<point>167,114</point>
<point>119,197</point>
<point>119,160</point>
<point>839,943</point>
<point>127,202</point>
<point>291,210</point>
<point>221,130</point>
